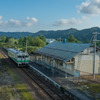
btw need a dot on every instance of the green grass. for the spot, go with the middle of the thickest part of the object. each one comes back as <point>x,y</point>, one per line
<point>11,92</point>
<point>17,91</point>
<point>94,87</point>
<point>0,55</point>
<point>15,77</point>
<point>24,93</point>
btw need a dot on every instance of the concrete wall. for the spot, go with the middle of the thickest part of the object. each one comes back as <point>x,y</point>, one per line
<point>84,62</point>
<point>69,68</point>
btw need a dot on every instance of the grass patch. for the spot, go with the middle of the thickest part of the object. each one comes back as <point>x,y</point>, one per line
<point>26,96</point>
<point>94,87</point>
<point>0,55</point>
<point>90,77</point>
<point>16,92</point>
<point>15,77</point>
<point>20,87</point>
<point>98,76</point>
<point>24,93</point>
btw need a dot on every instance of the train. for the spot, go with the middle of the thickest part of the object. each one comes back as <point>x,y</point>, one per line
<point>19,57</point>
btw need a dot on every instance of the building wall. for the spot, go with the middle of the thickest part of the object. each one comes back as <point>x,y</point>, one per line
<point>84,62</point>
<point>50,63</point>
<point>69,68</point>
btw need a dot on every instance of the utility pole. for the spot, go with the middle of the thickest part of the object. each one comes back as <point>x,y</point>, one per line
<point>94,43</point>
<point>26,45</point>
<point>13,42</point>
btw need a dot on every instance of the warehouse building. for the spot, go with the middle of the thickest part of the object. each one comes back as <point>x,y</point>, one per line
<point>64,58</point>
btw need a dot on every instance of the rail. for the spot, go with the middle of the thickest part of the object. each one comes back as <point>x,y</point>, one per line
<point>64,91</point>
<point>56,84</point>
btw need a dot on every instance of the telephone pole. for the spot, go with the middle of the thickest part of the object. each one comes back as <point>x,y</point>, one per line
<point>26,45</point>
<point>94,43</point>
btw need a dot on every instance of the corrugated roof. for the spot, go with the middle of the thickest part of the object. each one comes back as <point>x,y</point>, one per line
<point>63,51</point>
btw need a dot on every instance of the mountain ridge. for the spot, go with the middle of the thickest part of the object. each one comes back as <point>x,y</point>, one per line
<point>81,35</point>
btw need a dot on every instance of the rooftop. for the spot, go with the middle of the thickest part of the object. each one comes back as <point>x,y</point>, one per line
<point>63,51</point>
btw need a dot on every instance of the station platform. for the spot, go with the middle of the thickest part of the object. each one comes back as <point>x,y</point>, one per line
<point>64,82</point>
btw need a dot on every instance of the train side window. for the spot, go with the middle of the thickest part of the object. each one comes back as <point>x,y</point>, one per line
<point>19,56</point>
<point>26,56</point>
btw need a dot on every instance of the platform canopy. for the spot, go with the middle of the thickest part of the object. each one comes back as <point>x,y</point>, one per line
<point>62,51</point>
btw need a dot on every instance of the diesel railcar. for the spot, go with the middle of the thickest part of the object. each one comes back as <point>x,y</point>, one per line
<point>19,57</point>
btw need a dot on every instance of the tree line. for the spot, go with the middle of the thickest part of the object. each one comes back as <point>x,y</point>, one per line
<point>32,43</point>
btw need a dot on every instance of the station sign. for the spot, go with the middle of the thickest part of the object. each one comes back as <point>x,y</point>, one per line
<point>76,73</point>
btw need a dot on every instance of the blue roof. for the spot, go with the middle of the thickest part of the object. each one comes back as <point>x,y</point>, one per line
<point>63,51</point>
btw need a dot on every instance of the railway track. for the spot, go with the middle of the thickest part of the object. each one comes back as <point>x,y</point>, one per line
<point>3,54</point>
<point>48,88</point>
<point>51,90</point>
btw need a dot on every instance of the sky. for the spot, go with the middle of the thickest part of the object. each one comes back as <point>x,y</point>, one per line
<point>35,15</point>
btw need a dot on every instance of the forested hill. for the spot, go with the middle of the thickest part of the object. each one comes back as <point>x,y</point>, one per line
<point>81,35</point>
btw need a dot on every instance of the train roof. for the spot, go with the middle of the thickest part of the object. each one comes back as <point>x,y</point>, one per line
<point>16,51</point>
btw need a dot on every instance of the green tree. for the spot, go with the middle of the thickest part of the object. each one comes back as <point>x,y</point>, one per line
<point>42,38</point>
<point>29,40</point>
<point>11,42</point>
<point>22,41</point>
<point>72,39</point>
<point>3,38</point>
<point>38,42</point>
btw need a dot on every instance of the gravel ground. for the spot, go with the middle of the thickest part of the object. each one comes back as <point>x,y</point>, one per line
<point>16,85</point>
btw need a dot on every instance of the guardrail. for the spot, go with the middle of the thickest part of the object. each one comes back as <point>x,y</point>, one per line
<point>56,84</point>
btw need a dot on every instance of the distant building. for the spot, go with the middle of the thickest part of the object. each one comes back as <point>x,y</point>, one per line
<point>64,58</point>
<point>50,40</point>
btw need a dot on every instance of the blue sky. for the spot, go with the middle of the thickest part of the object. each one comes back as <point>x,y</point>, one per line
<point>36,15</point>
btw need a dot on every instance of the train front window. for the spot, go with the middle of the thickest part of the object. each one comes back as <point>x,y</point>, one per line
<point>22,56</point>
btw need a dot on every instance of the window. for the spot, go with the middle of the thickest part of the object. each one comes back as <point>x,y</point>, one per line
<point>26,56</point>
<point>71,60</point>
<point>19,56</point>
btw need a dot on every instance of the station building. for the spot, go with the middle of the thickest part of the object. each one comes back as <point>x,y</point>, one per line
<point>64,58</point>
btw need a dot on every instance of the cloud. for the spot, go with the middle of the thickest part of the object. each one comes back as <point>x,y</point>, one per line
<point>1,17</point>
<point>13,22</point>
<point>17,23</point>
<point>31,21</point>
<point>91,7</point>
<point>28,18</point>
<point>34,19</point>
<point>72,21</point>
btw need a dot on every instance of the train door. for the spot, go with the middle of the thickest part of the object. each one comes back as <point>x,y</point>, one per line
<point>27,59</point>
<point>18,60</point>
<point>23,59</point>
